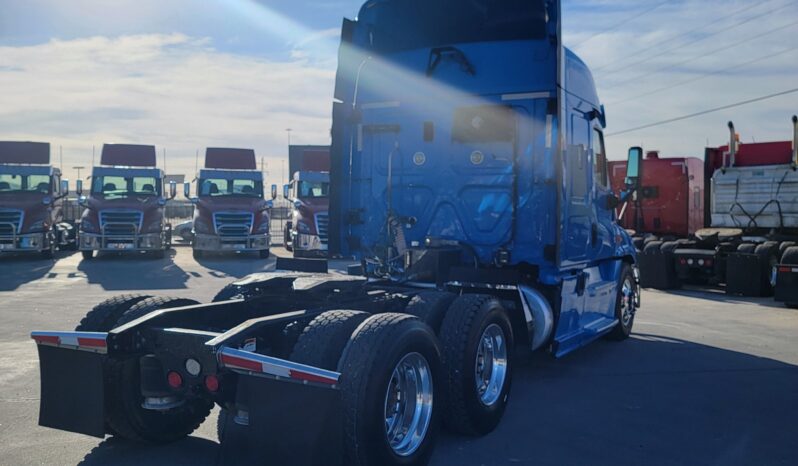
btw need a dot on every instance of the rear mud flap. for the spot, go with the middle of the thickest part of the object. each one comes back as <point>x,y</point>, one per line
<point>289,423</point>
<point>657,271</point>
<point>746,275</point>
<point>787,285</point>
<point>72,390</point>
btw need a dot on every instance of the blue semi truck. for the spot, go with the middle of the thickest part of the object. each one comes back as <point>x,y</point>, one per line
<point>469,182</point>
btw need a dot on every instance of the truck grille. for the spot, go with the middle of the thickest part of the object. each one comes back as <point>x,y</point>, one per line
<point>233,223</point>
<point>121,222</point>
<point>322,225</point>
<point>10,221</point>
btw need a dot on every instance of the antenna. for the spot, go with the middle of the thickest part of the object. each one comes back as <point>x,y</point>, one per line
<point>196,164</point>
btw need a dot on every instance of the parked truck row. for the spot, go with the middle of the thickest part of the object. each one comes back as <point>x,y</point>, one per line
<point>731,219</point>
<point>469,181</point>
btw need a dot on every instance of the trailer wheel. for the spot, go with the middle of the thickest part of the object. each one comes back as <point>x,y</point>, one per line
<point>87,255</point>
<point>103,317</point>
<point>430,307</point>
<point>747,248</point>
<point>391,391</point>
<point>478,345</point>
<point>669,246</point>
<point>652,247</point>
<point>625,305</point>
<point>323,340</point>
<point>124,415</point>
<point>783,248</point>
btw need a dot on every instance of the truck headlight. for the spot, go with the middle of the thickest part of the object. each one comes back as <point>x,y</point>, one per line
<point>37,226</point>
<point>303,228</point>
<point>87,226</point>
<point>201,227</point>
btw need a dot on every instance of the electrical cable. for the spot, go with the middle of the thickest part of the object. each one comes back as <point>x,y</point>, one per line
<point>616,26</point>
<point>703,76</point>
<point>703,112</point>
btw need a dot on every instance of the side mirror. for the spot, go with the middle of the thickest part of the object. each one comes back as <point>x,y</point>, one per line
<point>64,187</point>
<point>286,190</point>
<point>79,187</point>
<point>82,201</point>
<point>187,190</point>
<point>274,191</point>
<point>172,190</point>
<point>633,166</point>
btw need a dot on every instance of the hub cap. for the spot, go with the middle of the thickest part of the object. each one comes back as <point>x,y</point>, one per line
<point>408,404</point>
<point>490,366</point>
<point>627,303</point>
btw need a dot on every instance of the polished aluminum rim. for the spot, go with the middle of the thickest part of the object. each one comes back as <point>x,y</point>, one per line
<point>408,404</point>
<point>627,302</point>
<point>490,367</point>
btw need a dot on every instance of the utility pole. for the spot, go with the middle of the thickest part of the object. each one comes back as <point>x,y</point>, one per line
<point>61,159</point>
<point>288,130</point>
<point>78,169</point>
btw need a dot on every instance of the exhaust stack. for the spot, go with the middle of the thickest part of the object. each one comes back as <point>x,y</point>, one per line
<point>795,139</point>
<point>732,144</point>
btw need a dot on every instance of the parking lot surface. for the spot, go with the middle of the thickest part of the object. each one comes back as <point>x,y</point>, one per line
<point>706,379</point>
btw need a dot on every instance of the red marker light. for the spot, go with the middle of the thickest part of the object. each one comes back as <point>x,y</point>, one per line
<point>212,383</point>
<point>175,379</point>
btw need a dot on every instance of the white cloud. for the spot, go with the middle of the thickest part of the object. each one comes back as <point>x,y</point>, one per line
<point>171,90</point>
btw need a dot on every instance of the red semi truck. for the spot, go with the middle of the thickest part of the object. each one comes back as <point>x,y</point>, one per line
<point>32,196</point>
<point>306,234</point>
<point>749,221</point>
<point>231,213</point>
<point>124,210</point>
<point>669,201</point>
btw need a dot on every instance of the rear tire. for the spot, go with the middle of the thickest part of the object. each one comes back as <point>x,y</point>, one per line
<point>431,307</point>
<point>103,317</point>
<point>790,257</point>
<point>197,254</point>
<point>477,332</point>
<point>769,252</point>
<point>669,246</point>
<point>325,337</point>
<point>87,255</point>
<point>389,351</point>
<point>264,254</point>
<point>747,248</point>
<point>124,414</point>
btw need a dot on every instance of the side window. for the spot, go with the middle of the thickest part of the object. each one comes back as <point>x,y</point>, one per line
<point>599,158</point>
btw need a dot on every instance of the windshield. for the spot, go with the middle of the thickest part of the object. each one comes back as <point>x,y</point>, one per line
<point>218,187</point>
<point>125,186</point>
<point>311,189</point>
<point>24,183</point>
<point>448,22</point>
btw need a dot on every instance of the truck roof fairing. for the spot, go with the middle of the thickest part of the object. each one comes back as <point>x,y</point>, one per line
<point>313,177</point>
<point>128,155</point>
<point>231,174</point>
<point>23,152</point>
<point>230,159</point>
<point>124,171</point>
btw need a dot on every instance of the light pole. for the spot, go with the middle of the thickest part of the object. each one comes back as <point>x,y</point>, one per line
<point>78,169</point>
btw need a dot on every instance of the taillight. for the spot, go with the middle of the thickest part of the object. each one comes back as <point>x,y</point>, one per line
<point>708,262</point>
<point>212,383</point>
<point>175,379</point>
<point>785,269</point>
<point>683,261</point>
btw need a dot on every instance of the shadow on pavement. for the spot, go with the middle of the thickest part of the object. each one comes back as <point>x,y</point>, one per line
<point>718,295</point>
<point>189,452</point>
<point>649,400</point>
<point>19,269</point>
<point>116,272</point>
<point>237,265</point>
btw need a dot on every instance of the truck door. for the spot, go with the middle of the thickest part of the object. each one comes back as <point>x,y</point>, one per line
<point>602,239</point>
<point>578,212</point>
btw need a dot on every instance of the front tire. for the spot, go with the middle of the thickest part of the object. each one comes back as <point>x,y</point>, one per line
<point>478,345</point>
<point>264,254</point>
<point>625,305</point>
<point>391,388</point>
<point>87,255</point>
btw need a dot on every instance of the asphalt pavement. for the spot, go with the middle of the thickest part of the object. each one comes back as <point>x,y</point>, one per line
<point>706,379</point>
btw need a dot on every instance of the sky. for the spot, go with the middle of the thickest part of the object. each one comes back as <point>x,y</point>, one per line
<point>190,74</point>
